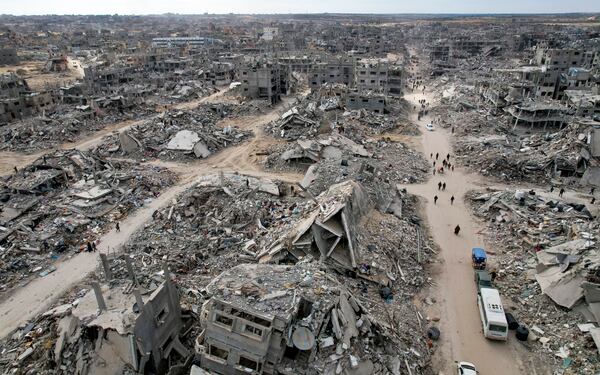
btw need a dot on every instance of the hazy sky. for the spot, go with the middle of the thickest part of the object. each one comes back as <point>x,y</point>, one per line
<point>296,6</point>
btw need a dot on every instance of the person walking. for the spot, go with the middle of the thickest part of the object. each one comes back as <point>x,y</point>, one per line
<point>456,230</point>
<point>560,193</point>
<point>453,130</point>
<point>439,185</point>
<point>448,157</point>
<point>94,248</point>
<point>593,200</point>
<point>435,199</point>
<point>593,190</point>
<point>444,186</point>
<point>431,155</point>
<point>117,227</point>
<point>434,171</point>
<point>452,200</point>
<point>493,274</point>
<point>437,154</point>
<point>551,189</point>
<point>89,247</point>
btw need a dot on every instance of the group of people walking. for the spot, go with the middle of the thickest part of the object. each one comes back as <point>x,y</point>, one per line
<point>442,184</point>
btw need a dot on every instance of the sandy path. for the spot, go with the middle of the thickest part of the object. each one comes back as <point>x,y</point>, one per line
<point>37,296</point>
<point>462,337</point>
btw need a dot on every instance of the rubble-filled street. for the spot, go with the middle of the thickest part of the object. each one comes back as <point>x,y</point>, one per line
<point>299,194</point>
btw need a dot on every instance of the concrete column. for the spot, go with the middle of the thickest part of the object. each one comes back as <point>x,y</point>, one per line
<point>99,297</point>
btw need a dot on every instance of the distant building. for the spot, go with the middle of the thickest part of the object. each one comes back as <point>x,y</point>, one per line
<point>372,102</point>
<point>196,41</point>
<point>265,80</point>
<point>339,70</point>
<point>8,56</point>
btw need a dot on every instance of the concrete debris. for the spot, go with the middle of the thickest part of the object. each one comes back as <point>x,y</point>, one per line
<point>63,200</point>
<point>176,135</point>
<point>546,246</point>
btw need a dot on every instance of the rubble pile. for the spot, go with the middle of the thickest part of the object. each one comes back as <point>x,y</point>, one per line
<point>213,225</point>
<point>187,89</point>
<point>531,157</point>
<point>546,255</point>
<point>357,317</point>
<point>61,126</point>
<point>361,124</point>
<point>84,336</point>
<point>62,201</point>
<point>301,121</point>
<point>176,134</point>
<point>326,160</point>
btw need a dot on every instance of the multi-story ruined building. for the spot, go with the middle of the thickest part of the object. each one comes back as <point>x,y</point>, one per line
<point>372,102</point>
<point>254,324</point>
<point>265,80</point>
<point>372,75</point>
<point>335,70</point>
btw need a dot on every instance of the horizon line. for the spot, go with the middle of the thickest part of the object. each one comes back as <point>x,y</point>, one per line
<point>312,13</point>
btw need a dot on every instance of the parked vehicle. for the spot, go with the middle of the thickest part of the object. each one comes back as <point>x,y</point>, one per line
<point>430,127</point>
<point>479,258</point>
<point>483,279</point>
<point>466,368</point>
<point>492,316</point>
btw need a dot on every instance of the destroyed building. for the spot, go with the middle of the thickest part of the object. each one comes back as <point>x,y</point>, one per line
<point>265,80</point>
<point>369,101</point>
<point>63,200</point>
<point>334,70</point>
<point>8,56</point>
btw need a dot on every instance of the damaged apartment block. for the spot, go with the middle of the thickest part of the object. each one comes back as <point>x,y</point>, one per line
<point>277,319</point>
<point>265,80</point>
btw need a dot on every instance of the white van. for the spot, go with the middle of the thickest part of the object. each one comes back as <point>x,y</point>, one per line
<point>492,315</point>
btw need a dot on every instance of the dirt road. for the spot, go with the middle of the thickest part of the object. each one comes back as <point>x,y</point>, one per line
<point>462,337</point>
<point>36,297</point>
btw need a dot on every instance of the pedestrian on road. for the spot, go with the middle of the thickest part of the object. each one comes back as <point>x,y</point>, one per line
<point>448,157</point>
<point>435,199</point>
<point>436,156</point>
<point>452,200</point>
<point>431,156</point>
<point>592,190</point>
<point>94,246</point>
<point>444,163</point>
<point>89,247</point>
<point>117,227</point>
<point>453,130</point>
<point>551,189</point>
<point>439,185</point>
<point>448,164</point>
<point>16,169</point>
<point>444,186</point>
<point>456,230</point>
<point>593,200</point>
<point>560,193</point>
<point>434,163</point>
<point>434,171</point>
